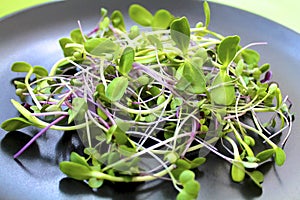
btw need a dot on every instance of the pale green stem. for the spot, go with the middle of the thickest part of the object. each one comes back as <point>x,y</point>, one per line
<point>143,112</point>
<point>27,78</point>
<point>57,64</point>
<point>41,124</point>
<point>240,140</point>
<point>103,176</point>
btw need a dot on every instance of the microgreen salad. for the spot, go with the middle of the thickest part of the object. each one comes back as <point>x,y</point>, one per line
<point>143,100</point>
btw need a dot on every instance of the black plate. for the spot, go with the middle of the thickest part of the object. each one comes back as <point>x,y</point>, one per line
<point>32,36</point>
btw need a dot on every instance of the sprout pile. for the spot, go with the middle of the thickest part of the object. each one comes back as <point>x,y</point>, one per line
<point>145,99</point>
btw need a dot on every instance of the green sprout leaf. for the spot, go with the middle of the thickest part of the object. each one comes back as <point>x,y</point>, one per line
<point>100,46</point>
<point>181,163</point>
<point>197,162</point>
<point>223,92</point>
<point>15,123</point>
<point>250,56</point>
<point>227,50</point>
<point>140,15</point>
<point>134,32</point>
<point>257,177</point>
<point>162,19</point>
<point>180,33</point>
<point>206,13</point>
<point>192,79</point>
<point>192,188</point>
<point>21,67</point>
<point>183,195</point>
<point>76,36</point>
<point>104,24</point>
<point>118,20</point>
<point>171,157</point>
<point>126,60</point>
<point>279,156</point>
<point>100,93</point>
<point>79,107</point>
<point>40,71</point>
<point>119,135</point>
<point>95,183</point>
<point>264,68</point>
<point>249,140</point>
<point>116,89</point>
<point>103,12</point>
<point>75,170</point>
<point>186,176</point>
<point>76,158</point>
<point>237,171</point>
<point>239,68</point>
<point>68,51</point>
<point>265,155</point>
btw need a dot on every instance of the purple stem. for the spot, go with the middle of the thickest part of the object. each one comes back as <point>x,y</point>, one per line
<point>100,119</point>
<point>177,112</point>
<point>38,135</point>
<point>93,31</point>
<point>192,137</point>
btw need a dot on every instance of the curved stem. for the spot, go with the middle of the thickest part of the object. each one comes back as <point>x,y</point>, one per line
<point>38,135</point>
<point>103,176</point>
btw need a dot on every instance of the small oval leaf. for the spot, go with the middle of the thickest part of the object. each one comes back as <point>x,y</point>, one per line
<point>21,67</point>
<point>162,19</point>
<point>279,156</point>
<point>237,171</point>
<point>76,158</point>
<point>224,91</point>
<point>180,163</point>
<point>15,123</point>
<point>250,56</point>
<point>192,187</point>
<point>95,183</point>
<point>227,49</point>
<point>117,20</point>
<point>265,155</point>
<point>140,15</point>
<point>79,107</point>
<point>257,176</point>
<point>180,33</point>
<point>183,195</point>
<point>186,176</point>
<point>76,36</point>
<point>126,60</point>
<point>75,170</point>
<point>67,51</point>
<point>116,89</point>
<point>206,13</point>
<point>40,71</point>
<point>197,162</point>
<point>100,46</point>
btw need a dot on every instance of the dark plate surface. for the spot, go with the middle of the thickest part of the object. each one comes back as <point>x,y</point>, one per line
<point>32,36</point>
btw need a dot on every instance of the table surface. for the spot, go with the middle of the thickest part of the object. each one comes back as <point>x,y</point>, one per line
<point>283,12</point>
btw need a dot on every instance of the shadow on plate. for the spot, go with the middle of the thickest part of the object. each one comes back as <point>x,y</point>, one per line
<point>13,141</point>
<point>154,190</point>
<point>69,142</point>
